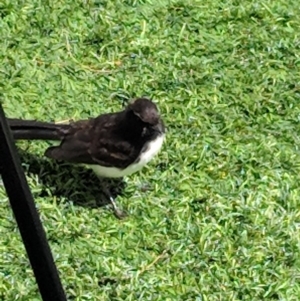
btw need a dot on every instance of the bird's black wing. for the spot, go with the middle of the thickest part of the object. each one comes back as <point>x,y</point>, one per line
<point>95,141</point>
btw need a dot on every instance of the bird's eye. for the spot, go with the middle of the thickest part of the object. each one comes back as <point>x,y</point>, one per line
<point>144,132</point>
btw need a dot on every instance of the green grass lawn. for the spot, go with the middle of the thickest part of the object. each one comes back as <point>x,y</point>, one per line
<point>216,215</point>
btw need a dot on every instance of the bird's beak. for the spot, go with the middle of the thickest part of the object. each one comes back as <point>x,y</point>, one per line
<point>159,128</point>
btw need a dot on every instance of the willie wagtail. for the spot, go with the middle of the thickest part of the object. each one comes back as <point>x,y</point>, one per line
<point>113,144</point>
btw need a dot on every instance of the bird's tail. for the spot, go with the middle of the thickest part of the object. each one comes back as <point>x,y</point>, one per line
<point>36,130</point>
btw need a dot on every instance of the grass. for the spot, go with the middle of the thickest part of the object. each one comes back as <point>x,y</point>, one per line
<point>216,215</point>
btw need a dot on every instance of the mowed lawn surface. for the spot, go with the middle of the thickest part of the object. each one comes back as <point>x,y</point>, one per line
<point>216,215</point>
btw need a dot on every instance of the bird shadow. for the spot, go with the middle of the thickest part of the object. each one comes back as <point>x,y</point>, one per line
<point>69,182</point>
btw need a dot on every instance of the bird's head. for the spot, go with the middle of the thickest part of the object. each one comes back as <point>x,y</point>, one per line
<point>147,113</point>
<point>145,110</point>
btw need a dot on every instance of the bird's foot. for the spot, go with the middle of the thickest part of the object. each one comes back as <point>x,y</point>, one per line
<point>119,213</point>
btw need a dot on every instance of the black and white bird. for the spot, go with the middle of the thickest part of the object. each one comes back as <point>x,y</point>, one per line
<point>114,145</point>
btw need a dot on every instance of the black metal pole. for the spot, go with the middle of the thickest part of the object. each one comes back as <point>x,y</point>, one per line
<point>27,217</point>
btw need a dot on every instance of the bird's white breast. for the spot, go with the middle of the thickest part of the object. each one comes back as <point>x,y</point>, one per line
<point>153,148</point>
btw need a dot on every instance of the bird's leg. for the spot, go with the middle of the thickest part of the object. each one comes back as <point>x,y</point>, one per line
<point>119,213</point>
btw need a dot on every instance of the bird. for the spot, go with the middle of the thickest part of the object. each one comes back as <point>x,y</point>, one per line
<point>113,145</point>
